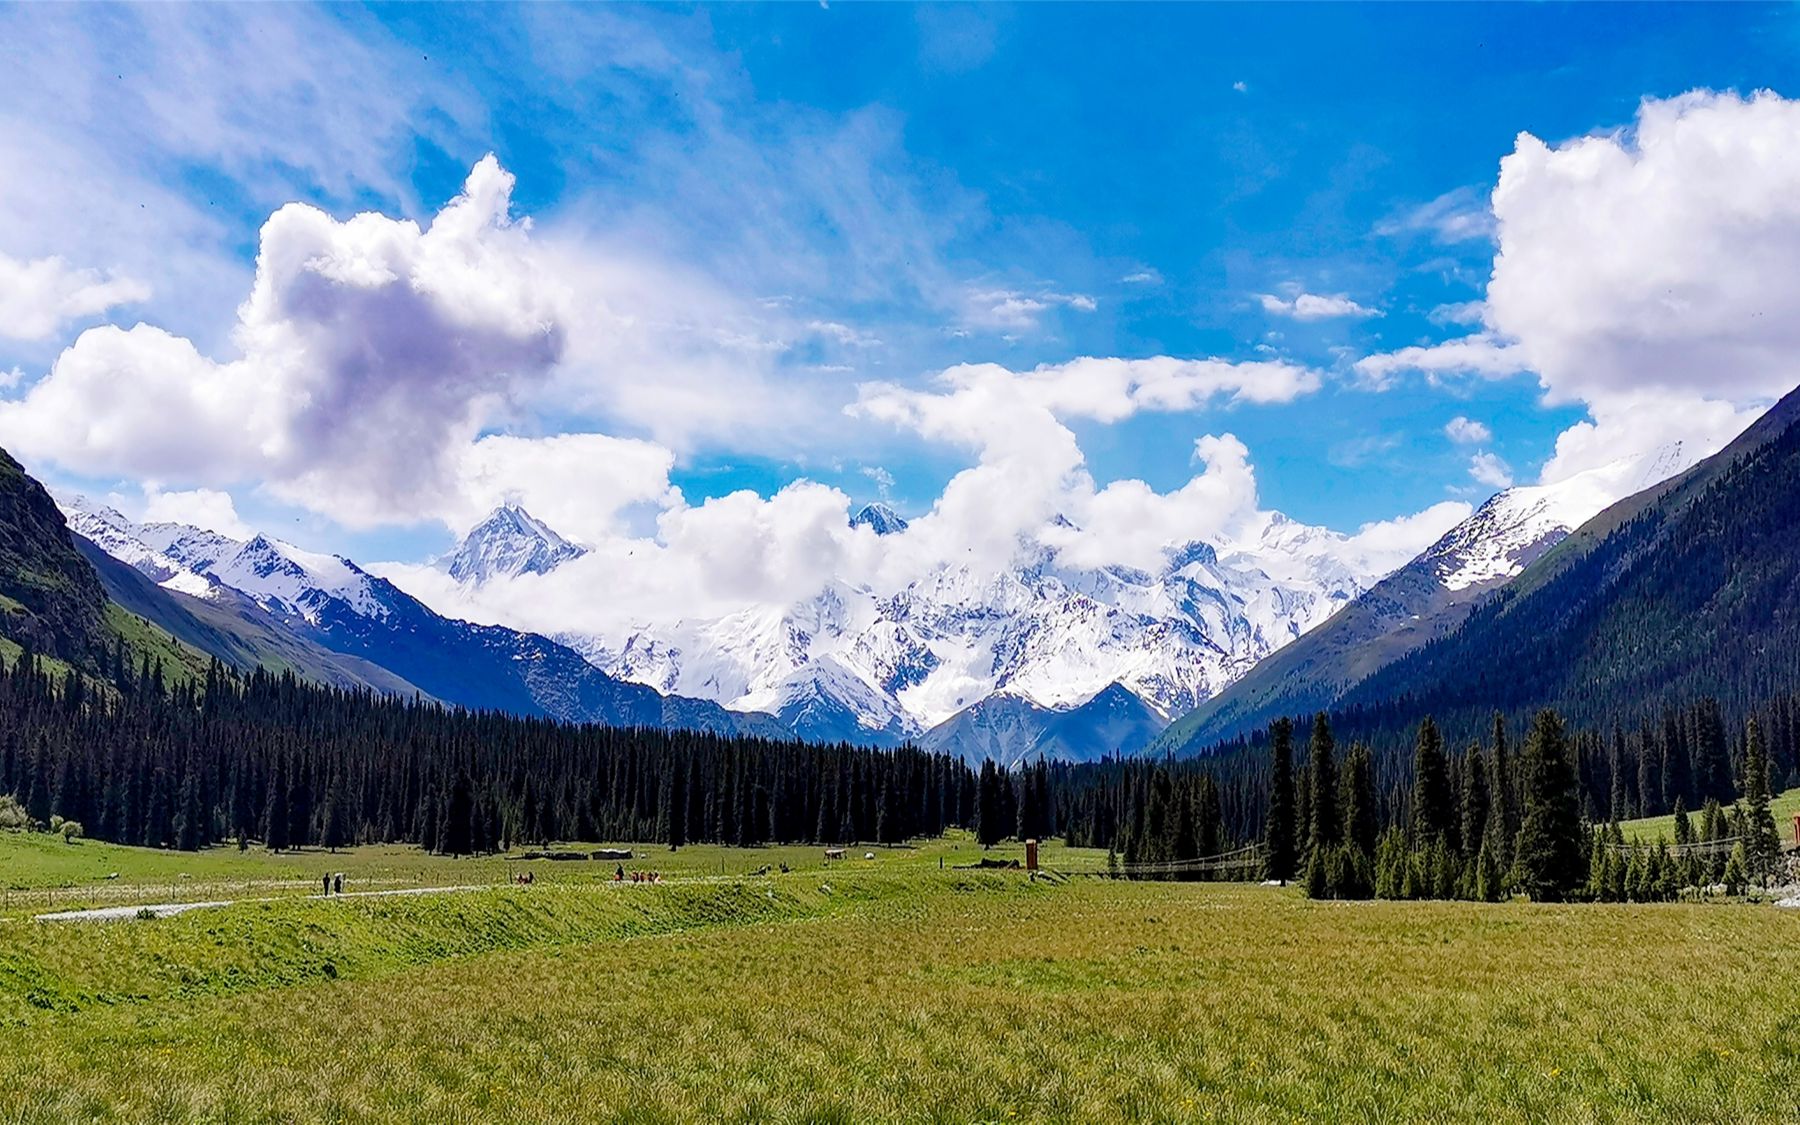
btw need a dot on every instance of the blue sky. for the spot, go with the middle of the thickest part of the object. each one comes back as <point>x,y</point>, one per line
<point>871,194</point>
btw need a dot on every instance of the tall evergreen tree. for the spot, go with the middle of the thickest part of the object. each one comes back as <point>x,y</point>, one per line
<point>1475,803</point>
<point>1433,814</point>
<point>1280,835</point>
<point>1549,862</point>
<point>1762,843</point>
<point>1327,824</point>
<point>1361,817</point>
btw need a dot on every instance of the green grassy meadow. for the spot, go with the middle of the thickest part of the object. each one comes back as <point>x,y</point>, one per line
<point>880,990</point>
<point>1784,807</point>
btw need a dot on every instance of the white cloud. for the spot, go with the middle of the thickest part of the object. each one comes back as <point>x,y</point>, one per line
<point>1480,354</point>
<point>1013,310</point>
<point>1145,276</point>
<point>1465,431</point>
<point>1651,273</point>
<point>201,507</point>
<point>1030,469</point>
<point>1241,87</point>
<point>1312,306</point>
<point>1458,312</point>
<point>370,352</point>
<point>38,297</point>
<point>109,112</point>
<point>1462,215</point>
<point>1488,468</point>
<point>1387,545</point>
<point>581,484</point>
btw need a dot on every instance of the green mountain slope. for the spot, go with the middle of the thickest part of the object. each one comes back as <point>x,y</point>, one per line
<point>50,598</point>
<point>1690,588</point>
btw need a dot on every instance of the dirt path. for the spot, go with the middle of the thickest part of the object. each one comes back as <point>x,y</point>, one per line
<point>170,909</point>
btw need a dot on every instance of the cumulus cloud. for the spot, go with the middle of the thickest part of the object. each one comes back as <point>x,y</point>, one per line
<point>1466,431</point>
<point>1312,306</point>
<point>370,351</point>
<point>1651,273</point>
<point>40,296</point>
<point>1488,468</point>
<point>200,507</point>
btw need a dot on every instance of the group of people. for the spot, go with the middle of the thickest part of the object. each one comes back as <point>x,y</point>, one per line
<point>525,878</point>
<point>637,876</point>
<point>333,883</point>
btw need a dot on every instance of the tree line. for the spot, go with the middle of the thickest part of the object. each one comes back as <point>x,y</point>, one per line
<point>271,759</point>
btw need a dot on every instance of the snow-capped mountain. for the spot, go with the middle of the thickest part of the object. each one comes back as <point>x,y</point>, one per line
<point>508,542</point>
<point>1516,526</point>
<point>331,602</point>
<point>880,519</point>
<point>857,663</point>
<point>1421,601</point>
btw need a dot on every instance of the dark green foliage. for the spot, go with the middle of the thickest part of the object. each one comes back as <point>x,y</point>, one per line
<point>51,601</point>
<point>1762,844</point>
<point>1550,859</point>
<point>1281,835</point>
<point>297,764</point>
<point>1433,814</point>
<point>1326,828</point>
<point>1475,803</point>
<point>1361,817</point>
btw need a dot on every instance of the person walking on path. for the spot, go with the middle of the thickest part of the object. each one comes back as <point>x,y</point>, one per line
<point>327,884</point>
<point>338,880</point>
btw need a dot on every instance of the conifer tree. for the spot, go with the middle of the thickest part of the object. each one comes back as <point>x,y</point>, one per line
<point>1762,844</point>
<point>1358,801</point>
<point>1549,857</point>
<point>1503,797</point>
<point>334,833</point>
<point>988,827</point>
<point>1327,825</point>
<point>460,819</point>
<point>1432,810</point>
<point>676,832</point>
<point>190,832</point>
<point>1280,833</point>
<point>1475,801</point>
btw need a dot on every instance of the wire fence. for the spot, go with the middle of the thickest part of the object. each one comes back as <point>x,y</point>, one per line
<point>1721,846</point>
<point>1245,859</point>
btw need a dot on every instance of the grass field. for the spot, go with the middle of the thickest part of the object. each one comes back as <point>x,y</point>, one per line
<point>1784,807</point>
<point>881,990</point>
<point>40,873</point>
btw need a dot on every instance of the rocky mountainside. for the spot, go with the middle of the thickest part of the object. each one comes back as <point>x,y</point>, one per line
<point>1420,602</point>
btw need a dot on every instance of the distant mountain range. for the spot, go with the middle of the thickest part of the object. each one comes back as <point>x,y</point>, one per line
<point>1040,659</point>
<point>341,624</point>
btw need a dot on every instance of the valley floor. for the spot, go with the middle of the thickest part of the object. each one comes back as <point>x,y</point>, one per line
<point>887,989</point>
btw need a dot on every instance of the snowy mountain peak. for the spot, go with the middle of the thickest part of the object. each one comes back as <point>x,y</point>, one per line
<point>280,577</point>
<point>510,541</point>
<point>879,518</point>
<point>1517,526</point>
